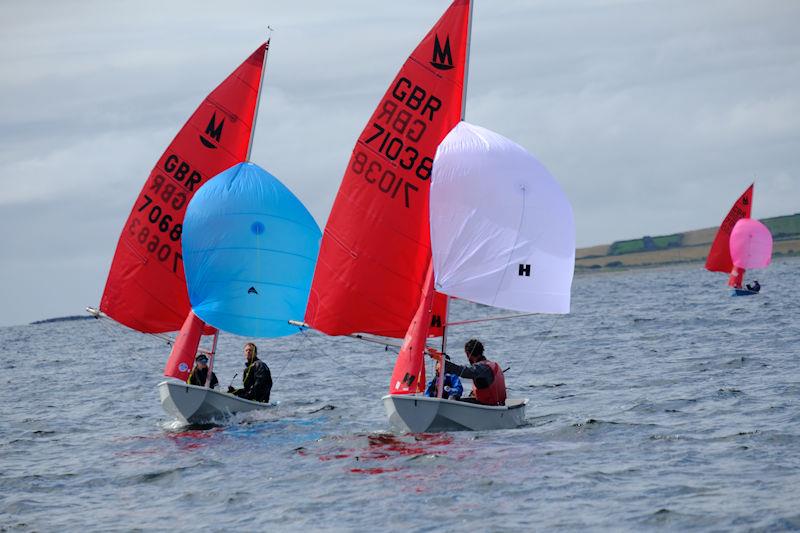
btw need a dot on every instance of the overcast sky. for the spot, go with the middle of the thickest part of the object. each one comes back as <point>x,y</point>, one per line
<point>654,116</point>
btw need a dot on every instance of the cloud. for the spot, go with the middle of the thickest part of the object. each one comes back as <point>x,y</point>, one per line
<point>652,117</point>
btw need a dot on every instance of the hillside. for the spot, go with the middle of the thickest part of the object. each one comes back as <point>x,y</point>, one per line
<point>651,251</point>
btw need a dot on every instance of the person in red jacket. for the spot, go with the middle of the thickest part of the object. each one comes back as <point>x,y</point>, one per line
<point>489,384</point>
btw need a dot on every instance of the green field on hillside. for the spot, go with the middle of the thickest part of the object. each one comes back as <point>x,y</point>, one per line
<point>785,227</point>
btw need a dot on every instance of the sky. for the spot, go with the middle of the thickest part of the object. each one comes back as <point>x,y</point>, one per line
<point>654,116</point>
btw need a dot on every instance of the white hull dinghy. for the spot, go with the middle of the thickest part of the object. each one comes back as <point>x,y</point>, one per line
<point>414,413</point>
<point>441,209</point>
<point>193,404</point>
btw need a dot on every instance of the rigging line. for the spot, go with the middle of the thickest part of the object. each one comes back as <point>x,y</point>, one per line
<point>541,342</point>
<point>293,352</point>
<point>320,351</point>
<point>487,319</point>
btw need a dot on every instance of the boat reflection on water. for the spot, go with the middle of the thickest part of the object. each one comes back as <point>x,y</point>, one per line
<point>383,453</point>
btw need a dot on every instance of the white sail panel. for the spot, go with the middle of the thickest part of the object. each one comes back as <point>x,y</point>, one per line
<point>502,229</point>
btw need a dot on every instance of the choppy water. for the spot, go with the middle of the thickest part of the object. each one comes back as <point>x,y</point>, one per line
<point>659,403</point>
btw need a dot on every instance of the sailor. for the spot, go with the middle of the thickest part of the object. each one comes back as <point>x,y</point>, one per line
<point>453,389</point>
<point>489,384</point>
<point>199,373</point>
<point>755,287</point>
<point>257,379</point>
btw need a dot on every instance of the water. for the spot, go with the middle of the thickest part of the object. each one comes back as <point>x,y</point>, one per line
<point>659,403</point>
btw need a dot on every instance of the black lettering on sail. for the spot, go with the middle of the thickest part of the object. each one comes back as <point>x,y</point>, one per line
<point>408,379</point>
<point>436,321</point>
<point>214,131</point>
<point>524,270</point>
<point>252,290</point>
<point>442,58</point>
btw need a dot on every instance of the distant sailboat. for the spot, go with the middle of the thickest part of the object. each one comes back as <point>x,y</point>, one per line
<point>483,221</point>
<point>740,244</point>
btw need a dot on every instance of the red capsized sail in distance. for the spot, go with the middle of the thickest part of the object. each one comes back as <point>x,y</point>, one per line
<point>408,376</point>
<point>146,288</point>
<point>181,359</point>
<point>376,245</point>
<point>719,256</point>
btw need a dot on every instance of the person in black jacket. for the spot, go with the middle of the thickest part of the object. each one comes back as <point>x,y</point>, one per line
<point>199,373</point>
<point>257,379</point>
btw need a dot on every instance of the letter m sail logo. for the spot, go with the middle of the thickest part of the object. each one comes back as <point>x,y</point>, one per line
<point>213,131</point>
<point>442,58</point>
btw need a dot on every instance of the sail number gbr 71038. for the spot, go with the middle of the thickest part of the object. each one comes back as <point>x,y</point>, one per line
<point>395,150</point>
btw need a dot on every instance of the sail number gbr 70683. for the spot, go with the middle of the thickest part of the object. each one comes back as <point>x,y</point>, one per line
<point>394,149</point>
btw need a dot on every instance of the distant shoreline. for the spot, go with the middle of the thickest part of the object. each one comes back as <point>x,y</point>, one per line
<point>679,248</point>
<point>69,318</point>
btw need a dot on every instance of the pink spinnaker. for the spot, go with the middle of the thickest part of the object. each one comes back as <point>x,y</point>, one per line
<point>751,244</point>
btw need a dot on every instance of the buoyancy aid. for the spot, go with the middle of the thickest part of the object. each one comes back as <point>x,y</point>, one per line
<point>494,394</point>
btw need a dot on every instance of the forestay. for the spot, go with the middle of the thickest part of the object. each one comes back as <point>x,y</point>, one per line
<point>502,229</point>
<point>249,249</point>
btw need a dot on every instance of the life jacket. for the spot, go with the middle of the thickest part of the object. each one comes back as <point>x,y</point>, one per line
<point>494,394</point>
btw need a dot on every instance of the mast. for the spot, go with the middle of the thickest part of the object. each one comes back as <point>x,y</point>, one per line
<point>440,384</point>
<point>258,96</point>
<point>463,115</point>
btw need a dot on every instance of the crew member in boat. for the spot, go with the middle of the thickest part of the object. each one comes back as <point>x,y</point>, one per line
<point>199,374</point>
<point>489,384</point>
<point>257,379</point>
<point>453,389</point>
<point>754,287</point>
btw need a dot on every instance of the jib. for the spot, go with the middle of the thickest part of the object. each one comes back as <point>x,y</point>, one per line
<point>180,172</point>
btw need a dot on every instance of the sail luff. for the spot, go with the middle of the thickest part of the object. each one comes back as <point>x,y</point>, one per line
<point>466,61</point>
<point>258,101</point>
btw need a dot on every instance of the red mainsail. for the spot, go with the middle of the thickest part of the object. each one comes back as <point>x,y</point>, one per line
<point>146,288</point>
<point>719,256</point>
<point>376,245</point>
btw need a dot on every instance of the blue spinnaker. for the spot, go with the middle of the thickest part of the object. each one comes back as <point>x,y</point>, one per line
<point>249,251</point>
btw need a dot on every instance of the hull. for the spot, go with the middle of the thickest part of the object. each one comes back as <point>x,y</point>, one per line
<point>194,405</point>
<point>742,292</point>
<point>419,414</point>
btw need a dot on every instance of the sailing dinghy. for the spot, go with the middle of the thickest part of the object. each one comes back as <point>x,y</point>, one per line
<point>741,243</point>
<point>483,215</point>
<point>249,248</point>
<point>146,288</point>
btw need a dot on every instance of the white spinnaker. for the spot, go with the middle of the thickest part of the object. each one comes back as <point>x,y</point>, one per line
<point>494,210</point>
